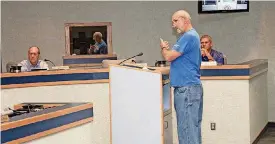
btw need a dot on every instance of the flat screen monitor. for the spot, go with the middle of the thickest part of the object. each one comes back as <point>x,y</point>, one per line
<point>222,6</point>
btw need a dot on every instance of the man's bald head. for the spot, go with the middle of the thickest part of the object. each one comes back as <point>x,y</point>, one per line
<point>33,54</point>
<point>181,21</point>
<point>97,36</point>
<point>34,49</point>
<point>182,13</point>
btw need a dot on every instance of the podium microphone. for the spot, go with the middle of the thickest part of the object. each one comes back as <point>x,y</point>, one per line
<point>49,61</point>
<point>140,54</point>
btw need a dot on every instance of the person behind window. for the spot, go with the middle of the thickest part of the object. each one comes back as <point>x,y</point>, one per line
<point>209,54</point>
<point>100,47</point>
<point>33,61</point>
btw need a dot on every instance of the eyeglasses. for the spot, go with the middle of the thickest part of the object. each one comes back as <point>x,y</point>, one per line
<point>176,20</point>
<point>34,54</point>
<point>205,42</point>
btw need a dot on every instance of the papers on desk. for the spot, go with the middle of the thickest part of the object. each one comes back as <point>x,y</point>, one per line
<point>141,64</point>
<point>211,63</point>
<point>60,67</point>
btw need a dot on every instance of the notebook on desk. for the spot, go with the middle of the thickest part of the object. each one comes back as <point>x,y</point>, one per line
<point>210,63</point>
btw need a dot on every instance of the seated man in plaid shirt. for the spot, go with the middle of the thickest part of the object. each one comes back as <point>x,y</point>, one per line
<point>209,54</point>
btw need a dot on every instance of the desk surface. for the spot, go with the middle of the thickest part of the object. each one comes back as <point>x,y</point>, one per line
<point>241,71</point>
<point>245,70</point>
<point>54,72</point>
<point>34,125</point>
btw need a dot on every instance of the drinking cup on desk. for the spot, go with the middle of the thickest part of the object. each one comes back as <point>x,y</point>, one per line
<point>15,69</point>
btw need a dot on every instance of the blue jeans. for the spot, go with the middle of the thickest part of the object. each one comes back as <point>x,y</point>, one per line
<point>188,102</point>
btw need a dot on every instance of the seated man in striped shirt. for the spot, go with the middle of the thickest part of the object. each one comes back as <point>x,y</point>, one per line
<point>33,61</point>
<point>209,54</point>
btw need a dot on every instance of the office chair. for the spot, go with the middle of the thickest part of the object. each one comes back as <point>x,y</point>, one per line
<point>224,59</point>
<point>9,64</point>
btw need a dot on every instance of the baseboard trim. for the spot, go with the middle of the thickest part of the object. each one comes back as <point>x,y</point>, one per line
<point>269,124</point>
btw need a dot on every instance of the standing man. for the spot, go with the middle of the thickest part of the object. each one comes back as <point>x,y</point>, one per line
<point>33,61</point>
<point>185,58</point>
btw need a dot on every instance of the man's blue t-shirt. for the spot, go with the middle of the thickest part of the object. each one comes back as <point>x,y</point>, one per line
<point>102,47</point>
<point>102,44</point>
<point>185,70</point>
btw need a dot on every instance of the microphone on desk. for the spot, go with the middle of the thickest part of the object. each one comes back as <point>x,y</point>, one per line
<point>49,61</point>
<point>140,54</point>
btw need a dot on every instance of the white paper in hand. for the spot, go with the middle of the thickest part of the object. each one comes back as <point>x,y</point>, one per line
<point>161,40</point>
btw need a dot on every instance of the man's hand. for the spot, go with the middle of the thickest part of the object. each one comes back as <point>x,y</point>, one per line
<point>204,52</point>
<point>169,55</point>
<point>164,44</point>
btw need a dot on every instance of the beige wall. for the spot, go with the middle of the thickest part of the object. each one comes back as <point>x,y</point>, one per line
<point>137,27</point>
<point>258,117</point>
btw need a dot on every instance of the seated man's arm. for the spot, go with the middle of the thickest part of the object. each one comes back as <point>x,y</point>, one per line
<point>24,67</point>
<point>219,58</point>
<point>44,65</point>
<point>102,48</point>
<point>204,58</point>
<point>206,54</point>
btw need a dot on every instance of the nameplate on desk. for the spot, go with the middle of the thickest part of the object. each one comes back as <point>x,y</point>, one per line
<point>60,67</point>
<point>211,63</point>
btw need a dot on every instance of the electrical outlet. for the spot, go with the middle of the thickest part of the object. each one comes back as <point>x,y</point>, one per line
<point>213,126</point>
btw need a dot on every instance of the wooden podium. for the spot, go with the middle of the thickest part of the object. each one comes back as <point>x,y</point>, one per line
<point>140,105</point>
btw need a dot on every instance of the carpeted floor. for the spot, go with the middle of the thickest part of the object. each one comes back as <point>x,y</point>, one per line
<point>268,137</point>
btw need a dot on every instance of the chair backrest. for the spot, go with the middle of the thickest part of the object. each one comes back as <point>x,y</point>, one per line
<point>77,51</point>
<point>224,59</point>
<point>9,64</point>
